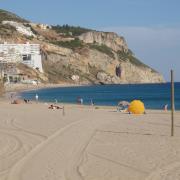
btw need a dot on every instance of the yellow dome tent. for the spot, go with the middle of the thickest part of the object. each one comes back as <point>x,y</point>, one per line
<point>136,107</point>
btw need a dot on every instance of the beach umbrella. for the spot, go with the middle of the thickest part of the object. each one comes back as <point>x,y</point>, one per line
<point>136,107</point>
<point>123,103</point>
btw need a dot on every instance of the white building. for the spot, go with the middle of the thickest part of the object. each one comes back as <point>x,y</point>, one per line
<point>44,26</point>
<point>28,54</point>
<point>20,28</point>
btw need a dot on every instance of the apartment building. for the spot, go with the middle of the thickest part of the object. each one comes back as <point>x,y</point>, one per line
<point>29,54</point>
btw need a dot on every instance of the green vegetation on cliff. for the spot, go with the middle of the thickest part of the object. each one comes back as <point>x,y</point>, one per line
<point>76,43</point>
<point>103,48</point>
<point>70,30</point>
<point>124,56</point>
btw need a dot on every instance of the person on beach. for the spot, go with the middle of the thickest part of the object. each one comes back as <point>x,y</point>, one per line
<point>12,97</point>
<point>92,103</point>
<point>165,107</point>
<point>54,107</point>
<point>81,101</point>
<point>78,100</point>
<point>37,98</point>
<point>26,101</point>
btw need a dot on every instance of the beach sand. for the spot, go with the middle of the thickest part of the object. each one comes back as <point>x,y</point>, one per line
<point>88,143</point>
<point>19,87</point>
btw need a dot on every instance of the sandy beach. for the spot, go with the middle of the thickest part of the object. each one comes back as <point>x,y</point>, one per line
<point>86,143</point>
<point>19,87</point>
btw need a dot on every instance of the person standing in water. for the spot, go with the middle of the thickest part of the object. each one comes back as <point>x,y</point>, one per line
<point>37,98</point>
<point>92,102</point>
<point>165,107</point>
<point>81,101</point>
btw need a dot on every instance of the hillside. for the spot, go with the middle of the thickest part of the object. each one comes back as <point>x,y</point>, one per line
<point>1,88</point>
<point>79,55</point>
<point>8,16</point>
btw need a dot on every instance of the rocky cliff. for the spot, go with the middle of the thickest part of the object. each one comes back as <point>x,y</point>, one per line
<point>79,55</point>
<point>110,39</point>
<point>93,66</point>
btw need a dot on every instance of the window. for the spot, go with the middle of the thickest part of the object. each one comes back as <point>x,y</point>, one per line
<point>26,57</point>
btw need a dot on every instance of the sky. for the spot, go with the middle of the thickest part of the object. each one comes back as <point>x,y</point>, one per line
<point>150,27</point>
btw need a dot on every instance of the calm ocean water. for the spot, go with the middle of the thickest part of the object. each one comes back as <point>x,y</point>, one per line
<point>154,96</point>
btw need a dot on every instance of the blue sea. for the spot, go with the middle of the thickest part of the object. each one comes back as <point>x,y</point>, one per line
<point>154,96</point>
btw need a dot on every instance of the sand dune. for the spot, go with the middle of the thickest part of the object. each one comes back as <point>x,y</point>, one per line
<point>87,143</point>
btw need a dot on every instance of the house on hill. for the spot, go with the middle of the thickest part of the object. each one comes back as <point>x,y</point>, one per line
<point>29,54</point>
<point>11,54</point>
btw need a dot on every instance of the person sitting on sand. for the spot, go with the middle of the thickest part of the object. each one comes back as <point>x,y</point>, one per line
<point>80,100</point>
<point>51,107</point>
<point>54,107</point>
<point>17,101</point>
<point>26,100</point>
<point>12,97</point>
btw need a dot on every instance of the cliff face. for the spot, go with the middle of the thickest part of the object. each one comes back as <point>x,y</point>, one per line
<point>79,55</point>
<point>97,60</point>
<point>111,40</point>
<point>93,66</point>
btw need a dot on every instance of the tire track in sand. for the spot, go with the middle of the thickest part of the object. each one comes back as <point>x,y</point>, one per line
<point>63,150</point>
<point>15,143</point>
<point>169,172</point>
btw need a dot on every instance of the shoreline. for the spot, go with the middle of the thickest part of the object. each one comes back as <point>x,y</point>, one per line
<point>19,88</point>
<point>87,106</point>
<point>28,87</point>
